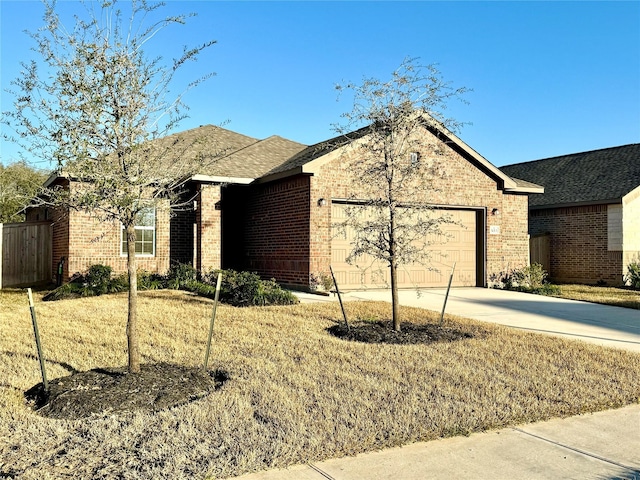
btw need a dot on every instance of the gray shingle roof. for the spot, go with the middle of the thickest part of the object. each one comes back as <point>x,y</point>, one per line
<point>239,155</point>
<point>588,177</point>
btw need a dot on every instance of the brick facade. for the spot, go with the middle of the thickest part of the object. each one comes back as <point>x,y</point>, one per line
<point>208,228</point>
<point>578,247</point>
<point>276,230</point>
<point>288,234</point>
<point>84,241</point>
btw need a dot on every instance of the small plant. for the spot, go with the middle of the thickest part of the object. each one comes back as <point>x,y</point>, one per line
<point>320,280</point>
<point>97,280</point>
<point>530,279</point>
<point>181,274</point>
<point>632,278</point>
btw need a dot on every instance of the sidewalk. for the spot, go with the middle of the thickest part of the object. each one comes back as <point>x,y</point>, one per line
<point>603,446</point>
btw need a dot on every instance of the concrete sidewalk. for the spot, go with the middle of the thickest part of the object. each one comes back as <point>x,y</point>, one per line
<point>601,324</point>
<point>604,445</point>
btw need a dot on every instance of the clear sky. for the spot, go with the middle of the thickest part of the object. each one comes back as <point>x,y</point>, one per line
<point>548,78</point>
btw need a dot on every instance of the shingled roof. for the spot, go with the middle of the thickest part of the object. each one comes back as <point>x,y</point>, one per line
<point>598,176</point>
<point>240,156</point>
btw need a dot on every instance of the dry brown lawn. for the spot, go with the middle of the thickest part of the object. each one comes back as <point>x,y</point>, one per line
<point>618,297</point>
<point>295,393</point>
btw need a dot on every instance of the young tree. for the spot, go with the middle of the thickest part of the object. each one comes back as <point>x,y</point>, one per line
<point>18,184</point>
<point>391,211</point>
<point>96,105</point>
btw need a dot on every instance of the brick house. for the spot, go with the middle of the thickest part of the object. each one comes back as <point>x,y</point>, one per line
<point>270,206</point>
<point>590,212</point>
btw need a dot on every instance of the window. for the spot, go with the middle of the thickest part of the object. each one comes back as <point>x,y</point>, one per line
<point>145,234</point>
<point>414,158</point>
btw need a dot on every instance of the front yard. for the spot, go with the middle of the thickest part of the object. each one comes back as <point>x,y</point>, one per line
<point>618,297</point>
<point>294,394</point>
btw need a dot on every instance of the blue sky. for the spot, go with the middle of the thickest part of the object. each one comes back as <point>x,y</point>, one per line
<point>548,78</point>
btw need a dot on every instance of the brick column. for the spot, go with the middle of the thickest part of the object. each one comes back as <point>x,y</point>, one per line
<point>208,228</point>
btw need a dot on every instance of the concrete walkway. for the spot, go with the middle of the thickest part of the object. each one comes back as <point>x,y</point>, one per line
<point>600,446</point>
<point>601,324</point>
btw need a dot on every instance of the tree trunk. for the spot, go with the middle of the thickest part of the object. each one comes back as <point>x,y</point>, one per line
<point>132,320</point>
<point>395,303</point>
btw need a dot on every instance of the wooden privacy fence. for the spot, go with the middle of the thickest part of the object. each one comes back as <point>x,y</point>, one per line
<point>540,250</point>
<point>25,254</point>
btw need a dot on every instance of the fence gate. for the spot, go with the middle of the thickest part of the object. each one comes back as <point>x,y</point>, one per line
<point>25,254</point>
<point>540,248</point>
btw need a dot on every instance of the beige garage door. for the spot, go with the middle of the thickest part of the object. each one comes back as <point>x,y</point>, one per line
<point>459,247</point>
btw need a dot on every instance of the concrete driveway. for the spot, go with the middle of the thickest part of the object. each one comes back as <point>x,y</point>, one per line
<point>600,324</point>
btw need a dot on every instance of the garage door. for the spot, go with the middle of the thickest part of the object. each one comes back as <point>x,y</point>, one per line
<point>459,247</point>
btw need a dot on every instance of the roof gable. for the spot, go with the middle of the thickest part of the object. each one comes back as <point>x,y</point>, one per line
<point>303,161</point>
<point>598,176</point>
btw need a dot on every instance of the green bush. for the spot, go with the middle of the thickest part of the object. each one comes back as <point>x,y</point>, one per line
<point>97,280</point>
<point>633,275</point>
<point>240,289</point>
<point>530,279</point>
<point>243,289</point>
<point>181,274</point>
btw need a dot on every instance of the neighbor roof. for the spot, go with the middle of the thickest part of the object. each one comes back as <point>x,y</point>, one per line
<point>598,176</point>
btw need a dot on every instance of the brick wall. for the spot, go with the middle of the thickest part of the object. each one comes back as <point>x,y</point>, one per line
<point>181,232</point>
<point>578,244</point>
<point>456,183</point>
<point>208,226</point>
<point>276,230</point>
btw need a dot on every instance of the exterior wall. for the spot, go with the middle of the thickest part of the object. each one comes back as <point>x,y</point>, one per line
<point>579,244</point>
<point>92,242</point>
<point>458,184</point>
<point>277,230</point>
<point>182,230</point>
<point>208,228</point>
<point>631,228</point>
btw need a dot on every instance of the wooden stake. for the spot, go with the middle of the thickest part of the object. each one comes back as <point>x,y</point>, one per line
<point>340,299</point>
<point>447,295</point>
<point>213,318</point>
<point>34,321</point>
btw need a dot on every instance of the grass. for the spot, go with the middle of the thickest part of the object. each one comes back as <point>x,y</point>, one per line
<point>619,297</point>
<point>296,394</point>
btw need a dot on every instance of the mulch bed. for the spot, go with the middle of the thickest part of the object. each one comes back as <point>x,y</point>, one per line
<point>114,390</point>
<point>383,332</point>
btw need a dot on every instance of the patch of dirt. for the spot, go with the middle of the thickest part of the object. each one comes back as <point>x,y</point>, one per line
<point>410,334</point>
<point>114,390</point>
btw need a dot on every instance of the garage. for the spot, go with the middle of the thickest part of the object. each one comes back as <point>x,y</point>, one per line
<point>463,246</point>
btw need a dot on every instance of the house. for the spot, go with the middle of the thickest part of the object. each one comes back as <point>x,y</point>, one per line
<point>590,212</point>
<point>270,206</point>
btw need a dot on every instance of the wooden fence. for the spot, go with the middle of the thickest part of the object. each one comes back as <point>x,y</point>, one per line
<point>25,254</point>
<point>540,251</point>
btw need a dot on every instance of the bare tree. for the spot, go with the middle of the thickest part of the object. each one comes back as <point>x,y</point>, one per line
<point>96,105</point>
<point>396,166</point>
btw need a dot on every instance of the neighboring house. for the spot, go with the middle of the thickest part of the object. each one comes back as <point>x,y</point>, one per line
<point>590,211</point>
<point>270,206</point>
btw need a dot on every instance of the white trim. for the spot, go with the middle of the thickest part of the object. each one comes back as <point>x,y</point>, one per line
<point>222,179</point>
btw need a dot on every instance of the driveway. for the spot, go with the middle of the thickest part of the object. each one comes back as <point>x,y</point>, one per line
<point>601,324</point>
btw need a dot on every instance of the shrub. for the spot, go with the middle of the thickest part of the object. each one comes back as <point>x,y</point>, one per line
<point>243,289</point>
<point>97,280</point>
<point>530,279</point>
<point>180,274</point>
<point>633,275</point>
